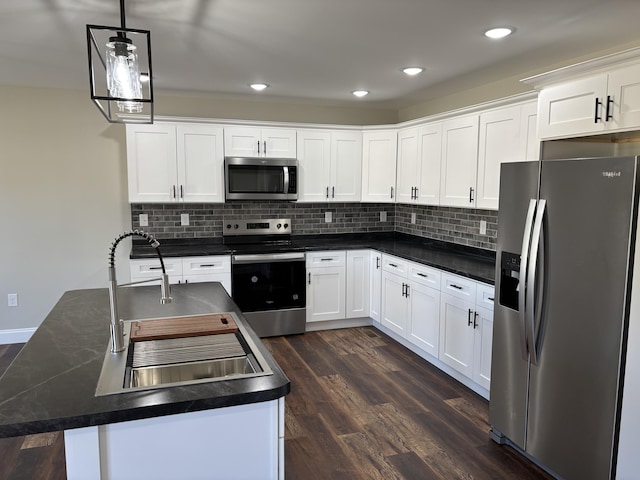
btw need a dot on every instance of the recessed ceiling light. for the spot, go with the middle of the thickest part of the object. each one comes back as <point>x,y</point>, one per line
<point>258,86</point>
<point>411,71</point>
<point>360,93</point>
<point>499,32</point>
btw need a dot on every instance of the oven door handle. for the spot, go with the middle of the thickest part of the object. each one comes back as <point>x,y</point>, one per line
<point>268,257</point>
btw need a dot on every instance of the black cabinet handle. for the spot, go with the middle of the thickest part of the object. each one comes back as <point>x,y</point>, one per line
<point>407,291</point>
<point>181,191</point>
<point>597,117</point>
<point>453,285</point>
<point>470,194</point>
<point>155,268</point>
<point>475,322</point>
<point>422,275</point>
<point>309,278</point>
<point>416,193</point>
<point>609,113</point>
<point>173,189</point>
<point>327,192</point>
<point>393,265</point>
<point>469,322</point>
<point>264,144</point>
<point>391,192</point>
<point>333,192</point>
<point>490,299</point>
<point>377,263</point>
<point>258,147</point>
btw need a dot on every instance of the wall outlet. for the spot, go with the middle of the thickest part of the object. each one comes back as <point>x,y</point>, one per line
<point>143,219</point>
<point>413,217</point>
<point>383,216</point>
<point>12,300</point>
<point>328,217</point>
<point>184,219</point>
<point>483,227</point>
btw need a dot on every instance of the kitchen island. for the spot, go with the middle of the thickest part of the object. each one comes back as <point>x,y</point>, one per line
<point>221,429</point>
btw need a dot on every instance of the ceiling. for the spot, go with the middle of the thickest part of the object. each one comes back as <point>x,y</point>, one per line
<point>318,50</point>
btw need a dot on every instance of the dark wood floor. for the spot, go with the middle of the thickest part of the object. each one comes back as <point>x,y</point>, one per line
<point>361,407</point>
<point>364,407</point>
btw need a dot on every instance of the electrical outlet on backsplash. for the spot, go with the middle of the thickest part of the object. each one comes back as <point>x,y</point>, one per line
<point>456,225</point>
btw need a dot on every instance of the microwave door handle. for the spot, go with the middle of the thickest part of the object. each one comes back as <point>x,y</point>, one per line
<point>286,179</point>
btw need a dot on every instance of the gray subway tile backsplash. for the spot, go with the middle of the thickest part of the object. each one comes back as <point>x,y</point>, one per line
<point>456,225</point>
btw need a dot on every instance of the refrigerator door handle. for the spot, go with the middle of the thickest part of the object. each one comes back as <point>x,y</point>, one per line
<point>533,287</point>
<point>522,290</point>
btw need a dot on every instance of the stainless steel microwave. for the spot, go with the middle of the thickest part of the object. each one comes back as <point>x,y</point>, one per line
<point>251,178</point>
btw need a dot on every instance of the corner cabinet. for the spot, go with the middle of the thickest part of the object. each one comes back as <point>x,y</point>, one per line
<point>170,163</point>
<point>259,142</point>
<point>330,164</point>
<point>379,149</point>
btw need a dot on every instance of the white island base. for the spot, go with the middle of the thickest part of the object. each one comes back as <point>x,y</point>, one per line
<point>244,442</point>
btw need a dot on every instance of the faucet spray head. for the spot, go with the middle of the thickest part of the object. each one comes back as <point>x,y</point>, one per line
<point>165,290</point>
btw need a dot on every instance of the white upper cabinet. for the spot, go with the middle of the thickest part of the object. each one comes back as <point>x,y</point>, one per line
<point>459,161</point>
<point>330,165</point>
<point>598,96</point>
<point>408,165</point>
<point>175,163</point>
<point>499,142</point>
<point>259,142</point>
<point>379,150</point>
<point>529,130</point>
<point>419,156</point>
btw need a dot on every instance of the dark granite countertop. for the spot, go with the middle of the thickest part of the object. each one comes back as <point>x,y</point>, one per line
<point>50,386</point>
<point>474,263</point>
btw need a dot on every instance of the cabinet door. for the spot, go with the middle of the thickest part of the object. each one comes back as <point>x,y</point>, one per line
<point>569,109</point>
<point>530,143</point>
<point>242,141</point>
<point>314,161</point>
<point>379,166</point>
<point>376,286</point>
<point>483,326</point>
<point>407,176</point>
<point>325,293</point>
<point>499,142</point>
<point>459,162</point>
<point>423,329</point>
<point>200,157</point>
<point>278,143</point>
<point>394,303</point>
<point>456,333</point>
<point>346,166</point>
<point>624,89</point>
<point>430,156</point>
<point>151,163</point>
<point>358,286</point>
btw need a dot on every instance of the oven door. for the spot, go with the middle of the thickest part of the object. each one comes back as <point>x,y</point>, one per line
<point>270,291</point>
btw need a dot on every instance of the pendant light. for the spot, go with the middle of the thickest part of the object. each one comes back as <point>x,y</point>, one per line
<point>120,74</point>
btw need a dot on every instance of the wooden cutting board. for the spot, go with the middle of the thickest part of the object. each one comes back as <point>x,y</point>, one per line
<point>177,327</point>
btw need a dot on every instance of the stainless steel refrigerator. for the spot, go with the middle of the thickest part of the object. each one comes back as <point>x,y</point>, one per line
<point>564,264</point>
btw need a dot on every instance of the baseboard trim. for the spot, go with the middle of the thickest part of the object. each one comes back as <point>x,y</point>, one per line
<point>18,335</point>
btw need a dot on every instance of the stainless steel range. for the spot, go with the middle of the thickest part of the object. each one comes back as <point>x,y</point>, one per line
<point>267,275</point>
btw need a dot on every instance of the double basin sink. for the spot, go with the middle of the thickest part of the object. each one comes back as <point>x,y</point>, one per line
<point>161,363</point>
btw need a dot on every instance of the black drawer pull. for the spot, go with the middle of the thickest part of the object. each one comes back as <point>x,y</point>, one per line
<point>457,287</point>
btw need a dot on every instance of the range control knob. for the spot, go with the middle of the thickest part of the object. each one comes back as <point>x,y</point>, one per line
<point>236,226</point>
<point>228,225</point>
<point>286,225</point>
<point>279,225</point>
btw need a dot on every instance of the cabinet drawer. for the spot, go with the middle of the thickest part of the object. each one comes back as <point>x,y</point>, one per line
<point>395,265</point>
<point>142,269</point>
<point>206,265</point>
<point>335,258</point>
<point>459,287</point>
<point>484,295</point>
<point>424,275</point>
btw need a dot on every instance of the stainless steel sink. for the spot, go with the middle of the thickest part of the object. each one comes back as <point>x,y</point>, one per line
<point>163,363</point>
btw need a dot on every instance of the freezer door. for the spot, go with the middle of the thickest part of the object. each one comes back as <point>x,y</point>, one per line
<point>509,365</point>
<point>574,387</point>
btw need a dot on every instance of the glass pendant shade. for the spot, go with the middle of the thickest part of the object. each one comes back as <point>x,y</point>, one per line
<point>120,74</point>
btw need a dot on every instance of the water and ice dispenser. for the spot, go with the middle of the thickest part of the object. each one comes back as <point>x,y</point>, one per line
<point>509,279</point>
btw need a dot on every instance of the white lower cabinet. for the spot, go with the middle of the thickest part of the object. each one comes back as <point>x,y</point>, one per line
<point>375,271</point>
<point>211,268</point>
<point>338,285</point>
<point>424,317</point>
<point>326,274</point>
<point>394,302</point>
<point>466,327</point>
